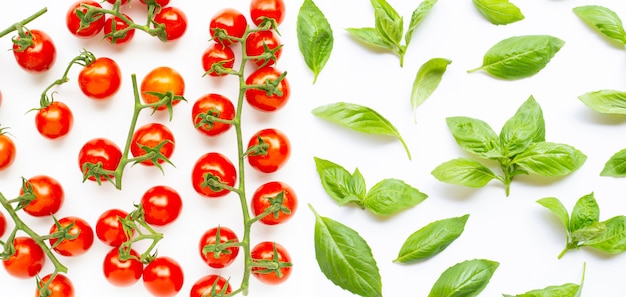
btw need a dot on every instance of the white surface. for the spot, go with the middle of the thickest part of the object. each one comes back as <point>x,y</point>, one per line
<point>515,231</point>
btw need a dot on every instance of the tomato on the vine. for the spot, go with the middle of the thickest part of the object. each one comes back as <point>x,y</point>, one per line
<point>163,277</point>
<point>219,258</point>
<point>3,224</point>
<point>99,151</point>
<point>212,105</point>
<point>7,150</point>
<point>60,286</point>
<point>28,259</point>
<point>262,99</point>
<point>174,20</point>
<point>162,79</point>
<point>73,21</point>
<point>260,42</point>
<point>49,195</point>
<point>274,253</point>
<point>213,167</point>
<point>227,24</point>
<point>270,193</point>
<point>109,228</point>
<point>217,54</point>
<point>161,205</point>
<point>100,79</point>
<point>211,283</point>
<point>55,120</point>
<point>114,24</point>
<point>39,56</point>
<point>261,9</point>
<point>82,241</point>
<point>113,1</point>
<point>122,273</point>
<point>150,136</point>
<point>274,156</point>
<point>158,2</point>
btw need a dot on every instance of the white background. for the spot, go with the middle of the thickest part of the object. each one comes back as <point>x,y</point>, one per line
<point>515,231</point>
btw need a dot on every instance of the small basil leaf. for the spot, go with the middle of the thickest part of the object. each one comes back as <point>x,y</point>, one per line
<point>416,18</point>
<point>586,212</point>
<point>427,79</point>
<point>520,56</point>
<point>499,12</point>
<point>466,279</point>
<point>613,240</point>
<point>389,23</point>
<point>616,165</point>
<point>370,37</point>
<point>527,126</point>
<point>338,183</point>
<point>550,159</point>
<point>431,239</point>
<point>605,101</point>
<point>464,172</point>
<point>604,20</point>
<point>588,233</point>
<point>565,290</point>
<point>557,208</point>
<point>391,196</point>
<point>315,37</point>
<point>474,136</point>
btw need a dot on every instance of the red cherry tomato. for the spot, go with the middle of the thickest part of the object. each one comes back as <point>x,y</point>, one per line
<point>113,25</point>
<point>174,20</point>
<point>3,224</point>
<point>113,1</point>
<point>39,56</point>
<point>219,259</point>
<point>214,105</point>
<point>101,79</point>
<point>28,259</point>
<point>210,283</point>
<point>213,166</point>
<point>276,154</point>
<point>122,273</point>
<point>261,9</point>
<point>55,120</point>
<point>163,277</point>
<point>261,99</point>
<point>7,150</point>
<point>215,54</point>
<point>226,24</point>
<point>49,196</point>
<point>161,205</point>
<point>152,135</point>
<point>162,79</point>
<point>77,246</point>
<point>73,21</point>
<point>99,150</point>
<point>274,192</point>
<point>257,42</point>
<point>109,229</point>
<point>158,2</point>
<point>60,286</point>
<point>273,252</point>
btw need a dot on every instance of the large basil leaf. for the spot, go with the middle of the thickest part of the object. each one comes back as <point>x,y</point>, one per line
<point>525,127</point>
<point>550,159</point>
<point>556,207</point>
<point>605,101</point>
<point>315,37</point>
<point>464,172</point>
<point>369,36</point>
<point>566,290</point>
<point>586,212</point>
<point>616,165</point>
<point>427,79</point>
<point>465,279</point>
<point>391,196</point>
<point>499,12</point>
<point>416,17</point>
<point>604,20</point>
<point>339,184</point>
<point>613,240</point>
<point>474,136</point>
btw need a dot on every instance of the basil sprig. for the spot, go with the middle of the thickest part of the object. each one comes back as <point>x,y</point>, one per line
<point>564,290</point>
<point>499,12</point>
<point>315,37</point>
<point>604,20</point>
<point>469,277</point>
<point>427,80</point>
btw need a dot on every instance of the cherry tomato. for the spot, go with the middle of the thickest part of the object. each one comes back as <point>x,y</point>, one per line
<point>272,252</point>
<point>161,205</point>
<point>158,2</point>
<point>151,135</point>
<point>122,273</point>
<point>115,24</point>
<point>49,196</point>
<point>277,152</point>
<point>213,166</point>
<point>7,150</point>
<point>163,277</point>
<point>208,284</point>
<point>214,105</point>
<point>217,53</point>
<point>73,21</point>
<point>261,9</point>
<point>100,79</point>
<point>78,245</point>
<point>109,229</point>
<point>257,42</point>
<point>261,99</point>
<point>174,20</point>
<point>99,150</point>
<point>113,1</point>
<point>55,120</point>
<point>226,24</point>
<point>268,194</point>
<point>28,259</point>
<point>60,286</point>
<point>3,224</point>
<point>162,79</point>
<point>219,259</point>
<point>39,56</point>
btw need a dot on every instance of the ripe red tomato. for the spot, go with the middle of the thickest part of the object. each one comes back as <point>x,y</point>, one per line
<point>272,252</point>
<point>113,1</point>
<point>109,229</point>
<point>114,24</point>
<point>55,120</point>
<point>99,150</point>
<point>210,283</point>
<point>158,2</point>
<point>214,105</point>
<point>226,24</point>
<point>161,80</point>
<point>219,259</point>
<point>49,196</point>
<point>268,194</point>
<point>161,205</point>
<point>163,277</point>
<point>3,224</point>
<point>257,42</point>
<point>277,152</point>
<point>151,135</point>
<point>77,246</point>
<point>60,286</point>
<point>174,20</point>
<point>28,259</point>
<point>100,79</point>
<point>214,166</point>
<point>217,53</point>
<point>261,99</point>
<point>122,273</point>
<point>39,56</point>
<point>7,150</point>
<point>261,9</point>
<point>73,21</point>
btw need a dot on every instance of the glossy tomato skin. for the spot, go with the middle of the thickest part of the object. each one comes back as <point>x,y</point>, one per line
<point>100,150</point>
<point>273,9</point>
<point>7,151</point>
<point>163,277</point>
<point>3,225</point>
<point>216,165</point>
<point>151,135</point>
<point>278,150</point>
<point>114,24</point>
<point>265,251</point>
<point>60,286</point>
<point>161,205</point>
<point>122,273</point>
<point>113,1</point>
<point>158,2</point>
<point>49,196</point>
<point>101,79</point>
<point>77,246</point>
<point>28,259</point>
<point>256,43</point>
<point>217,53</point>
<point>73,21</point>
<point>109,228</point>
<point>263,198</point>
<point>259,99</point>
<point>38,57</point>
<point>204,286</point>
<point>174,20</point>
<point>161,80</point>
<point>231,22</point>
<point>55,120</point>
<point>215,105</point>
<point>224,258</point>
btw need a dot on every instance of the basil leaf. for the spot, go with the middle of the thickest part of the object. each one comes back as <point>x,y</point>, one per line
<point>499,12</point>
<point>586,212</point>
<point>427,79</point>
<point>520,56</point>
<point>566,290</point>
<point>550,159</point>
<point>339,184</point>
<point>616,165</point>
<point>588,233</point>
<point>613,240</point>
<point>416,17</point>
<point>388,23</point>
<point>557,208</point>
<point>359,118</point>
<point>370,37</point>
<point>465,279</point>
<point>465,172</point>
<point>315,37</point>
<point>605,101</point>
<point>345,258</point>
<point>527,126</point>
<point>604,20</point>
<point>431,239</point>
<point>474,136</point>
<point>391,196</point>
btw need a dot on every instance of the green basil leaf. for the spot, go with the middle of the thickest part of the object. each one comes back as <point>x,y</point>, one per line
<point>416,18</point>
<point>587,233</point>
<point>345,258</point>
<point>466,279</point>
<point>464,172</point>
<point>557,208</point>
<point>520,56</point>
<point>586,212</point>
<point>616,165</point>
<point>527,126</point>
<point>359,118</point>
<point>339,184</point>
<point>431,239</point>
<point>391,196</point>
<point>499,12</point>
<point>605,101</point>
<point>370,37</point>
<point>566,290</point>
<point>474,136</point>
<point>604,20</point>
<point>613,240</point>
<point>427,79</point>
<point>550,159</point>
<point>315,37</point>
<point>388,23</point>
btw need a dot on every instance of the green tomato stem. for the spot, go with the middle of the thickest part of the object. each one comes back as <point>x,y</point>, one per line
<point>23,22</point>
